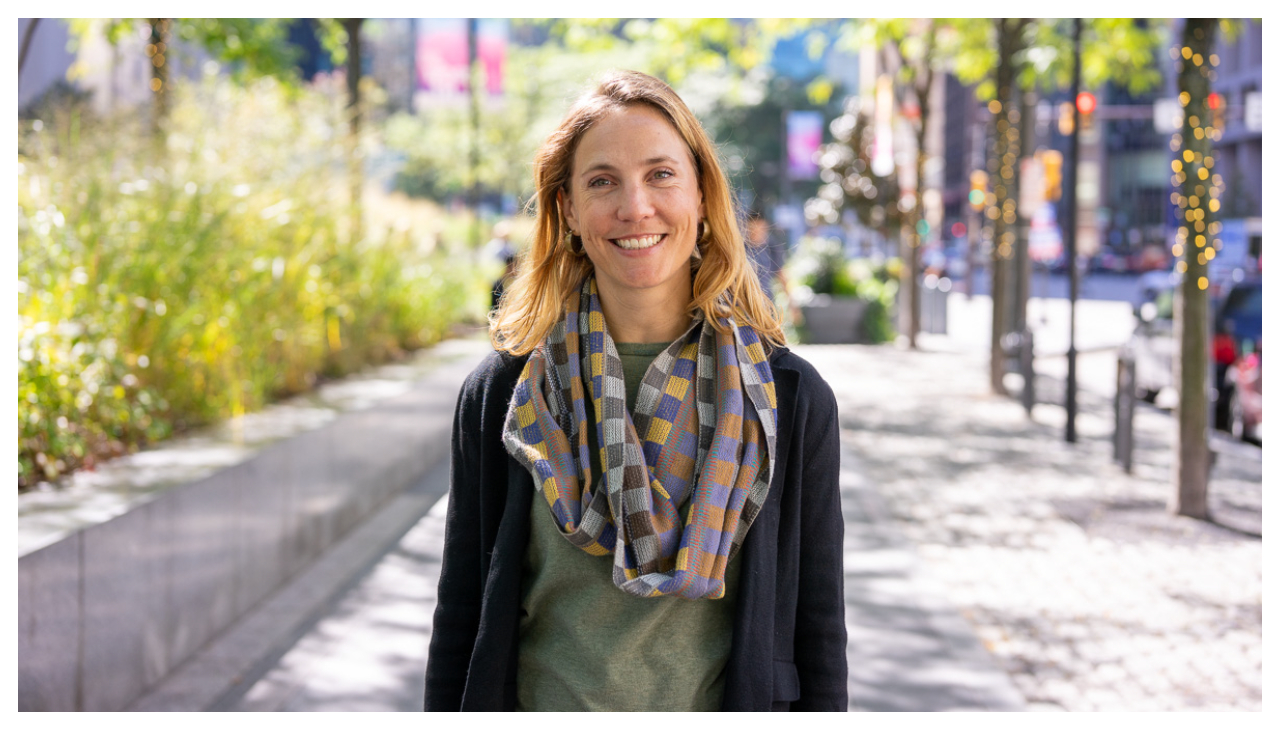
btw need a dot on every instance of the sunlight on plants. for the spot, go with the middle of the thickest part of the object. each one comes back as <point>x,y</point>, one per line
<point>165,284</point>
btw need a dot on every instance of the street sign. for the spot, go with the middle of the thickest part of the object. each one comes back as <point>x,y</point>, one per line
<point>1088,190</point>
<point>1031,185</point>
<point>1167,116</point>
<point>1045,240</point>
<point>1253,111</point>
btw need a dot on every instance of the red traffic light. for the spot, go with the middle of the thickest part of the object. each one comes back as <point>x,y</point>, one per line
<point>1215,101</point>
<point>1086,102</point>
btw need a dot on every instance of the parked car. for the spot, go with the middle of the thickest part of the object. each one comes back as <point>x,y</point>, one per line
<point>1237,329</point>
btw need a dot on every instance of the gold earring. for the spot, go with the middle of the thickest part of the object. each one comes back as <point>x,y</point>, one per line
<point>568,244</point>
<point>706,231</point>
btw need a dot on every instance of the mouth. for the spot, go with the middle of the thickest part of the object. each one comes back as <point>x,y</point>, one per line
<point>637,243</point>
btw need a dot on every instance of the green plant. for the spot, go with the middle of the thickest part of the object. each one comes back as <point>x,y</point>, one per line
<point>820,267</point>
<point>164,285</point>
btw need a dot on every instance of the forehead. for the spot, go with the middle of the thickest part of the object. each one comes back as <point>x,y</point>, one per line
<point>631,134</point>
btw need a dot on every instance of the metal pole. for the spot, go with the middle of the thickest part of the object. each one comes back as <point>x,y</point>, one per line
<point>1070,230</point>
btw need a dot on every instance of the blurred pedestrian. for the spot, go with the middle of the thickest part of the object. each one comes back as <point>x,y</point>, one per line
<point>499,247</point>
<point>500,286</point>
<point>644,511</point>
<point>767,256</point>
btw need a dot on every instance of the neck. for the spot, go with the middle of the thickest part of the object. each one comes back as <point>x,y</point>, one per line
<point>652,315</point>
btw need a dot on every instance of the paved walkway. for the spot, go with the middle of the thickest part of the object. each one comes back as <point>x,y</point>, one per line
<point>1087,592</point>
<point>989,565</point>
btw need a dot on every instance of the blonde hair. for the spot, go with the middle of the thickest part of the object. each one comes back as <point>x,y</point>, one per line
<point>549,272</point>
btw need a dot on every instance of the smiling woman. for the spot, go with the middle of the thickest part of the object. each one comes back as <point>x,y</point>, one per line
<point>634,202</point>
<point>644,511</point>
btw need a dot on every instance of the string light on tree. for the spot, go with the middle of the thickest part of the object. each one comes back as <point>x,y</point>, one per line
<point>1196,238</point>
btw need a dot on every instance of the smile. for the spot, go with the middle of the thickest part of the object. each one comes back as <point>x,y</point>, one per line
<point>635,243</point>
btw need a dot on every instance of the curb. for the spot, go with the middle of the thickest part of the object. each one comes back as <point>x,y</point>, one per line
<point>220,674</point>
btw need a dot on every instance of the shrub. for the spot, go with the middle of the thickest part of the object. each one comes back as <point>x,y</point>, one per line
<point>167,284</point>
<point>820,266</point>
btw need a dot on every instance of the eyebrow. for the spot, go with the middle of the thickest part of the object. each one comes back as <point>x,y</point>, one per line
<point>606,167</point>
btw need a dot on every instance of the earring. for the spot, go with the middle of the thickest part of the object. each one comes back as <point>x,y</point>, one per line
<point>568,244</point>
<point>706,231</point>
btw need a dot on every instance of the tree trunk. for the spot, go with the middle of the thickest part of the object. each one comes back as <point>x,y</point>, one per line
<point>913,238</point>
<point>27,34</point>
<point>1002,168</point>
<point>157,51</point>
<point>1022,268</point>
<point>355,166</point>
<point>1198,190</point>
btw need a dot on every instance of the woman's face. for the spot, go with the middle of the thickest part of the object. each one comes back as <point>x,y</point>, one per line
<point>634,199</point>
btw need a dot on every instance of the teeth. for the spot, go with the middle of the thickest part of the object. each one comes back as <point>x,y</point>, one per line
<point>633,244</point>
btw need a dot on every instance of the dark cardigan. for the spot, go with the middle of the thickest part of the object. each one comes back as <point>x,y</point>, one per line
<point>788,648</point>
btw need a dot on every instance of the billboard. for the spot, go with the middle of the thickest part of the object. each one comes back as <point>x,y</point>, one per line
<point>804,136</point>
<point>443,56</point>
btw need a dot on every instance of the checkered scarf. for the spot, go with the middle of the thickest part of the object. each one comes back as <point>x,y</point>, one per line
<point>707,410</point>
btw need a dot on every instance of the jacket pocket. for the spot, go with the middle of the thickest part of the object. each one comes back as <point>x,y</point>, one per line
<point>786,682</point>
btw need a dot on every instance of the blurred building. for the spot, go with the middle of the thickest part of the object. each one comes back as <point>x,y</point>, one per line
<point>1239,158</point>
<point>115,77</point>
<point>48,58</point>
<point>1134,213</point>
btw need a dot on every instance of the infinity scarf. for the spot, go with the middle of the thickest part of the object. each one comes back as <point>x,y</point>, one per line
<point>707,410</point>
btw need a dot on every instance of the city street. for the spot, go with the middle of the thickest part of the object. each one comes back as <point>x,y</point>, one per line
<point>989,564</point>
<point>258,258</point>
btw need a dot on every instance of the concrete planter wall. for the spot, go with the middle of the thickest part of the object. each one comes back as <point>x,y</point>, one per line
<point>832,320</point>
<point>106,611</point>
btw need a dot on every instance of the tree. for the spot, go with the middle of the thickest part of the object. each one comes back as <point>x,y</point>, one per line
<point>1197,197</point>
<point>919,60</point>
<point>1002,166</point>
<point>250,47</point>
<point>675,48</point>
<point>854,183</point>
<point>341,38</point>
<point>1008,57</point>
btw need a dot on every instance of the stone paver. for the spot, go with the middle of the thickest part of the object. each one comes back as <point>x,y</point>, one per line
<point>1073,574</point>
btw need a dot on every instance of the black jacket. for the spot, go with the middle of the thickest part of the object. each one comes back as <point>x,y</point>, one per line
<point>788,648</point>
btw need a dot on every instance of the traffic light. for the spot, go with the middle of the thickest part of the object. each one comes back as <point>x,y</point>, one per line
<point>1066,119</point>
<point>1218,107</point>
<point>1086,103</point>
<point>978,189</point>
<point>1051,160</point>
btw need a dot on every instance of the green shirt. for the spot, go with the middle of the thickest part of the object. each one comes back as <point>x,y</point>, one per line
<point>587,645</point>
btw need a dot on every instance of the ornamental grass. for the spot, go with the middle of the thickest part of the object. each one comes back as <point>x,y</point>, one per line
<point>165,282</point>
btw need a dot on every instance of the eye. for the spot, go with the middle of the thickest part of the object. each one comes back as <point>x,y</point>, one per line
<point>663,174</point>
<point>598,182</point>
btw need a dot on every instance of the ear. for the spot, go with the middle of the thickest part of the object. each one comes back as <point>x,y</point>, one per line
<point>566,206</point>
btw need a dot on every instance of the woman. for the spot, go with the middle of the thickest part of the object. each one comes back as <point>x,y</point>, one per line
<point>644,511</point>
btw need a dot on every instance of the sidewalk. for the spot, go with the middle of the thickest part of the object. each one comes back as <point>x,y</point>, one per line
<point>908,648</point>
<point>1072,573</point>
<point>989,565</point>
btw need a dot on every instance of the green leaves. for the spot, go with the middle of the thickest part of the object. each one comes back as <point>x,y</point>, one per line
<point>162,289</point>
<point>672,48</point>
<point>250,47</point>
<point>1116,50</point>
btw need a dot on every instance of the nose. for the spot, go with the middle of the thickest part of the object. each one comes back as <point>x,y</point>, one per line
<point>635,204</point>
